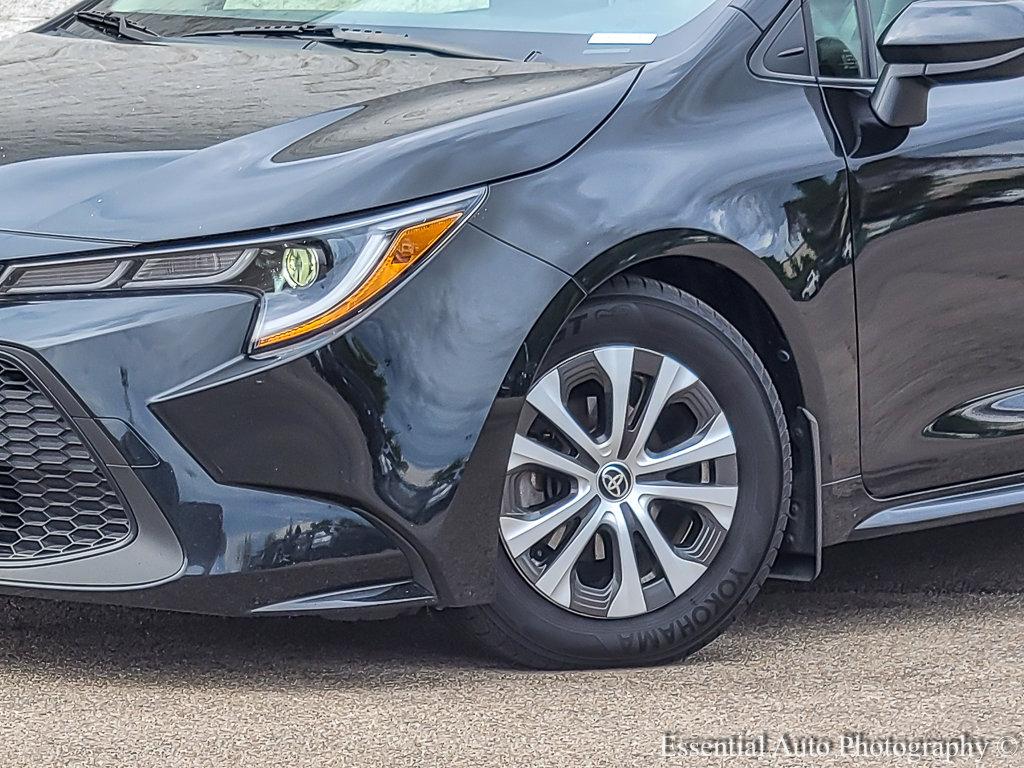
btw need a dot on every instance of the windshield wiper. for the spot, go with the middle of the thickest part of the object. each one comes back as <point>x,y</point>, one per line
<point>117,25</point>
<point>330,35</point>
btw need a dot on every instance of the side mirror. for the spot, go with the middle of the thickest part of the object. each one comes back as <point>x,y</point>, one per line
<point>939,42</point>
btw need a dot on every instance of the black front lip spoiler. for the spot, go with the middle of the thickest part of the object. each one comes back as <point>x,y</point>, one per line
<point>378,601</point>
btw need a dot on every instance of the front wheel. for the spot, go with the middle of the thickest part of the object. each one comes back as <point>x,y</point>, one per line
<point>647,487</point>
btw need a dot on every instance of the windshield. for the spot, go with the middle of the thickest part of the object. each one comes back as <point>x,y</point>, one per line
<point>578,17</point>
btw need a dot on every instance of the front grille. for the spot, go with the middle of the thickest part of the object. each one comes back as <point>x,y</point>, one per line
<point>55,500</point>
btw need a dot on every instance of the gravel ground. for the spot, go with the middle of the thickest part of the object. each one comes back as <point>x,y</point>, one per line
<point>16,15</point>
<point>915,636</point>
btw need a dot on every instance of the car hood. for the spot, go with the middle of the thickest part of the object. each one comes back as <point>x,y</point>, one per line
<point>151,143</point>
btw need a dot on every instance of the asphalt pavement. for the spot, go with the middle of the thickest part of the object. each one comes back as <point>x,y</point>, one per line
<point>16,15</point>
<point>904,640</point>
<point>910,638</point>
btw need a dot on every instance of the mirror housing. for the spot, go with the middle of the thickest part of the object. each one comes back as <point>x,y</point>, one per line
<point>940,42</point>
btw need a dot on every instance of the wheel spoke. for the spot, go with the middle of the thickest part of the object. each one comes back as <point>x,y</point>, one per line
<point>618,365</point>
<point>629,598</point>
<point>526,452</point>
<point>719,500</point>
<point>714,442</point>
<point>672,379</point>
<point>522,533</point>
<point>604,526</point>
<point>546,397</point>
<point>556,581</point>
<point>680,572</point>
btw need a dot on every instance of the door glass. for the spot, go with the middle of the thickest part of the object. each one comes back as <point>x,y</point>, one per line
<point>837,38</point>
<point>883,12</point>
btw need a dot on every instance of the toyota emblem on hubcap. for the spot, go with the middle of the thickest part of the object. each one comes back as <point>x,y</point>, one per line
<point>616,482</point>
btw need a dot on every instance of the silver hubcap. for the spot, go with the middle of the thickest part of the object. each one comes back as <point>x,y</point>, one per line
<point>615,481</point>
<point>622,483</point>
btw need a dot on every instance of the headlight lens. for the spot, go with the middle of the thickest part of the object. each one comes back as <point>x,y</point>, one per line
<point>310,281</point>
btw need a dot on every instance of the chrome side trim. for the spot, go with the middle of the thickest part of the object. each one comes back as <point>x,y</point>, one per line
<point>945,508</point>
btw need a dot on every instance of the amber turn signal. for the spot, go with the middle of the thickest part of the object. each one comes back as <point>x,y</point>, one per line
<point>407,249</point>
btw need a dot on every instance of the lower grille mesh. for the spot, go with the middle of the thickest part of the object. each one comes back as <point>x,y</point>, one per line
<point>54,498</point>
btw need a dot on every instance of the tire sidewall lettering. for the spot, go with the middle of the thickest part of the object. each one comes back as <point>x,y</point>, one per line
<point>703,615</point>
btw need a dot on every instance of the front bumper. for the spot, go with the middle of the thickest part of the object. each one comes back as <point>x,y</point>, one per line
<point>371,466</point>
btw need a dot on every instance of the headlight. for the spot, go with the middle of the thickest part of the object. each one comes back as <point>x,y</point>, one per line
<point>310,281</point>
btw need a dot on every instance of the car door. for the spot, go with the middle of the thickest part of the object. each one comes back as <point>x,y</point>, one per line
<point>938,212</point>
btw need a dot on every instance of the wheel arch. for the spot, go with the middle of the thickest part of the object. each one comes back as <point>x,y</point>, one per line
<point>750,295</point>
<point>715,270</point>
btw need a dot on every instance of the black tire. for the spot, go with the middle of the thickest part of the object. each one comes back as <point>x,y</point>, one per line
<point>524,627</point>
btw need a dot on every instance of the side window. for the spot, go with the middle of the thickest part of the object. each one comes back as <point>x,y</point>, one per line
<point>837,37</point>
<point>882,14</point>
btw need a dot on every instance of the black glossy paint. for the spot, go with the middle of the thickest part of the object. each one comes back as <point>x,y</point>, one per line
<point>939,279</point>
<point>853,254</point>
<point>998,415</point>
<point>389,416</point>
<point>201,155</point>
<point>732,169</point>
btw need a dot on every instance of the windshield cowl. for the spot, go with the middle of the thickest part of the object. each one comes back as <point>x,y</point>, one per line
<point>567,31</point>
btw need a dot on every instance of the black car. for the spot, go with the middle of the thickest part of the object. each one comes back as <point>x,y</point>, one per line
<point>574,321</point>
